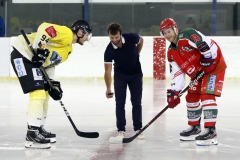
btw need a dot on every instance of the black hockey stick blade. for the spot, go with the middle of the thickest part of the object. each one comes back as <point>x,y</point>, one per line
<point>87,134</point>
<point>130,139</point>
<point>79,133</point>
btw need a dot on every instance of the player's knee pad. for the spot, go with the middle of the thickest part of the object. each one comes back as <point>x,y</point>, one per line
<point>38,94</point>
<point>194,109</point>
<point>210,109</point>
<point>194,112</point>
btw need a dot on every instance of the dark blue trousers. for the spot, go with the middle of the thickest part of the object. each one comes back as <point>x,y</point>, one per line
<point>135,85</point>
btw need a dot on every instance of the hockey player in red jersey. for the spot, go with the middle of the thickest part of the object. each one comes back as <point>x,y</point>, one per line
<point>189,53</point>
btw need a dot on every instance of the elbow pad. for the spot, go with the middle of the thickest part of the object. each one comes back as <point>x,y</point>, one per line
<point>205,50</point>
<point>208,52</point>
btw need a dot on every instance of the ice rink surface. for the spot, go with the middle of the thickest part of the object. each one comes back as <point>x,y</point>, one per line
<point>91,111</point>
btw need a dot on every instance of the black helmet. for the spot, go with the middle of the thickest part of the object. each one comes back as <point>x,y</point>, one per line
<point>83,25</point>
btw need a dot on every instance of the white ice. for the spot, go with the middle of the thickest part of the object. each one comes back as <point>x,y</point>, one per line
<point>91,111</point>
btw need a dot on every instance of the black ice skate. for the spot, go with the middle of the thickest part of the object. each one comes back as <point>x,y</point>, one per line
<point>47,135</point>
<point>36,140</point>
<point>209,137</point>
<point>190,133</point>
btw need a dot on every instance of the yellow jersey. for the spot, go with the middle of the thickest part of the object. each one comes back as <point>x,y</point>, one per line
<point>57,39</point>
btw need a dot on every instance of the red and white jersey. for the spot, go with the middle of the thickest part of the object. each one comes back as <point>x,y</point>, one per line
<point>184,58</point>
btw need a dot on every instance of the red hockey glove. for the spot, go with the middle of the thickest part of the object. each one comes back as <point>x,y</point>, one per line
<point>172,98</point>
<point>208,65</point>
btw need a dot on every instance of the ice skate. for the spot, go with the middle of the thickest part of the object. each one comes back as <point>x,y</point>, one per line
<point>36,140</point>
<point>190,133</point>
<point>47,135</point>
<point>209,137</point>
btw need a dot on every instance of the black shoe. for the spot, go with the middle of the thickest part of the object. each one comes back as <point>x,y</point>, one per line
<point>190,133</point>
<point>209,137</point>
<point>47,135</point>
<point>36,140</point>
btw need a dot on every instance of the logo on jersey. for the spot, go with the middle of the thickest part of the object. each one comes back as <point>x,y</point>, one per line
<point>20,68</point>
<point>190,69</point>
<point>195,38</point>
<point>211,84</point>
<point>51,31</point>
<point>187,49</point>
<point>55,58</point>
<point>37,74</point>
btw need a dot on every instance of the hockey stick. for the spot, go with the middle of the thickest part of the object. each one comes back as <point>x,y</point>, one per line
<point>79,133</point>
<point>130,139</point>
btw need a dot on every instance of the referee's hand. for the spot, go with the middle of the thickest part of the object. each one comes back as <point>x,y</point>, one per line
<point>109,94</point>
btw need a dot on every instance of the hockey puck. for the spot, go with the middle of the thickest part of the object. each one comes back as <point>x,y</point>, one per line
<point>110,94</point>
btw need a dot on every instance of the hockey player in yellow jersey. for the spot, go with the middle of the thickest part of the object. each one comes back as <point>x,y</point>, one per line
<point>52,44</point>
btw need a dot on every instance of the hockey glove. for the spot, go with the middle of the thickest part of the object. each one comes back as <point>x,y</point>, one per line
<point>39,58</point>
<point>172,98</point>
<point>208,65</point>
<point>56,91</point>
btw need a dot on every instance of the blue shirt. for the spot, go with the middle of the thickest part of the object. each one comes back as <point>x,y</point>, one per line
<point>126,59</point>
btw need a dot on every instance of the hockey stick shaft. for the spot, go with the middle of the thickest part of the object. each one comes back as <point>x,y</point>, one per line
<point>34,53</point>
<point>79,133</point>
<point>198,77</point>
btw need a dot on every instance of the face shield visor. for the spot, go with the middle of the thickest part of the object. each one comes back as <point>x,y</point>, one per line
<point>87,32</point>
<point>89,36</point>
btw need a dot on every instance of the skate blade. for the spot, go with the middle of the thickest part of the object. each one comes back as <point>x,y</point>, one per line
<point>29,144</point>
<point>118,139</point>
<point>52,140</point>
<point>189,138</point>
<point>207,142</point>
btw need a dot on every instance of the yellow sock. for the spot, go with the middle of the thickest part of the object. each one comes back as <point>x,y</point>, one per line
<point>35,107</point>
